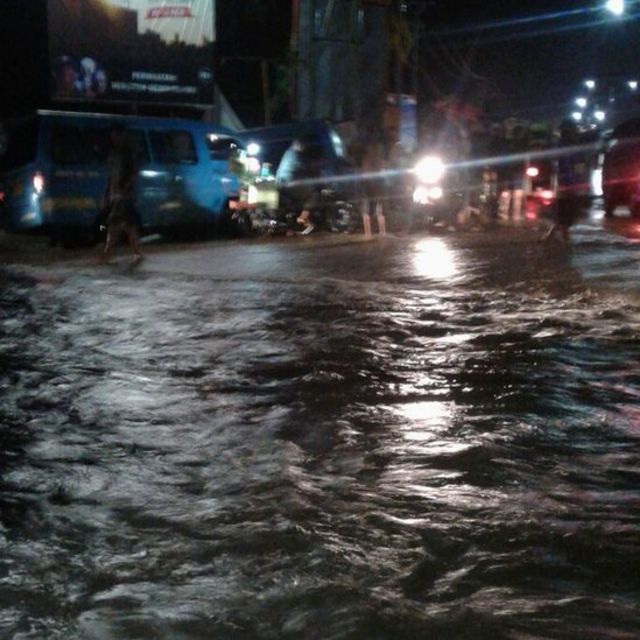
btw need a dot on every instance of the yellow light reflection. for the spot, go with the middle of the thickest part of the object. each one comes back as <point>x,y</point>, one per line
<point>434,259</point>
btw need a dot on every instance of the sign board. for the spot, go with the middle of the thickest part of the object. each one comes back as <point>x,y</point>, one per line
<point>132,50</point>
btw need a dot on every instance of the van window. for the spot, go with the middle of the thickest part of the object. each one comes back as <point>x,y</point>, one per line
<point>137,142</point>
<point>173,147</point>
<point>272,151</point>
<point>21,146</point>
<point>71,145</point>
<point>222,147</point>
<point>74,145</point>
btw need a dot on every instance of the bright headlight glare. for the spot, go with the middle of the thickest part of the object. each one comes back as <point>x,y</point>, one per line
<point>436,193</point>
<point>429,170</point>
<point>421,195</point>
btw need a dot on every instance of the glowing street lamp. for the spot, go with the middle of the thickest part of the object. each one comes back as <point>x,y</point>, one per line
<point>577,116</point>
<point>581,102</point>
<point>590,84</point>
<point>633,85</point>
<point>600,116</point>
<point>615,6</point>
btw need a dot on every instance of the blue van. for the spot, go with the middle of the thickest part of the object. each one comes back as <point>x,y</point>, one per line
<point>53,173</point>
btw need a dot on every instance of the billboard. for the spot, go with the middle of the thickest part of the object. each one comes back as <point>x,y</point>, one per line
<point>132,50</point>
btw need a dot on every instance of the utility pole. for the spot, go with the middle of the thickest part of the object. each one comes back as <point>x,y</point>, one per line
<point>294,49</point>
<point>398,84</point>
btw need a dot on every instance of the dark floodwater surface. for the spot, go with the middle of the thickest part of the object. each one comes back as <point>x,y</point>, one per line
<point>420,438</point>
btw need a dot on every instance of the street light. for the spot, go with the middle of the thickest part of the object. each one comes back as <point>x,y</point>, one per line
<point>577,116</point>
<point>581,102</point>
<point>633,85</point>
<point>590,84</point>
<point>615,6</point>
<point>600,116</point>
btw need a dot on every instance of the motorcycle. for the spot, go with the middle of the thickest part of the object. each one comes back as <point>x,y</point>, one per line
<point>333,212</point>
<point>439,193</point>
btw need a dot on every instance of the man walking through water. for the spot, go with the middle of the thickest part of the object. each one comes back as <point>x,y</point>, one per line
<point>372,166</point>
<point>119,195</point>
<point>573,181</point>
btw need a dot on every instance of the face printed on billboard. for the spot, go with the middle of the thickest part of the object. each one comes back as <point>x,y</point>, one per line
<point>132,50</point>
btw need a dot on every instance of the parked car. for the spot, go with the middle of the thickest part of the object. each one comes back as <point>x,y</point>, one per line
<point>621,169</point>
<point>54,173</point>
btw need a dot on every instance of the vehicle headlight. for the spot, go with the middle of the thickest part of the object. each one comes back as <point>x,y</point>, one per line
<point>429,170</point>
<point>427,195</point>
<point>253,149</point>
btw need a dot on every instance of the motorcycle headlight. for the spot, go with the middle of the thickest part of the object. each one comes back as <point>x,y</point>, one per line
<point>429,170</point>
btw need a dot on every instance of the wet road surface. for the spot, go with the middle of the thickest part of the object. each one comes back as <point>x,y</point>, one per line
<point>421,437</point>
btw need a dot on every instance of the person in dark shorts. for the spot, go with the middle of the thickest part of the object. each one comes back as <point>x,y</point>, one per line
<point>567,208</point>
<point>372,187</point>
<point>568,203</point>
<point>572,181</point>
<point>119,196</point>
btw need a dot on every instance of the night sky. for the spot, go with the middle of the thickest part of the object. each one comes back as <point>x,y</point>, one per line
<point>534,55</point>
<point>519,56</point>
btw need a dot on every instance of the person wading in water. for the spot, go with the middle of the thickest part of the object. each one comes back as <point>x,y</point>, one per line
<point>119,197</point>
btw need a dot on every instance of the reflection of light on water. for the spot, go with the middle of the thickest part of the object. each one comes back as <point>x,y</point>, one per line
<point>434,259</point>
<point>427,411</point>
<point>426,419</point>
<point>457,338</point>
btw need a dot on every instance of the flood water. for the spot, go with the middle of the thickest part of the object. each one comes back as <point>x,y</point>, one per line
<point>428,437</point>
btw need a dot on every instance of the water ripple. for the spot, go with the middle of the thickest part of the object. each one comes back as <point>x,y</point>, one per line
<point>414,442</point>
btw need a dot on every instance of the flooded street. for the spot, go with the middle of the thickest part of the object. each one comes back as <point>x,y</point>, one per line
<point>417,437</point>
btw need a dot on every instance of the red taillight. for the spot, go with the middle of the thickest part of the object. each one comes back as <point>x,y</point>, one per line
<point>533,172</point>
<point>547,194</point>
<point>38,183</point>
